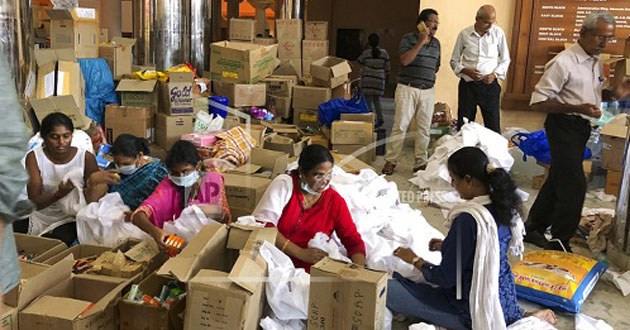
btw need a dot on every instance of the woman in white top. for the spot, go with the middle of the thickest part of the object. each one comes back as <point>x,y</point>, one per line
<point>48,166</point>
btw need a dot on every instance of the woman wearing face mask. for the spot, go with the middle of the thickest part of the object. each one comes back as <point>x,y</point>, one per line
<point>302,204</point>
<point>473,286</point>
<point>134,175</point>
<point>47,166</point>
<point>185,185</point>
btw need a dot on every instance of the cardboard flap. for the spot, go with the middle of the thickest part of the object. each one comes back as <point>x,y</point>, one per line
<point>247,169</point>
<point>44,56</point>
<point>59,14</point>
<point>341,69</point>
<point>250,265</point>
<point>49,305</point>
<point>107,300</point>
<point>132,85</point>
<point>127,42</point>
<point>278,139</point>
<point>144,252</point>
<point>618,127</point>
<point>43,281</point>
<point>186,265</point>
<point>65,104</point>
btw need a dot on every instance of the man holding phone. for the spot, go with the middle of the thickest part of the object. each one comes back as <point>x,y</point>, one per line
<point>480,57</point>
<point>415,92</point>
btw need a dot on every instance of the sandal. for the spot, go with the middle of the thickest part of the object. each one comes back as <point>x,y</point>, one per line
<point>388,169</point>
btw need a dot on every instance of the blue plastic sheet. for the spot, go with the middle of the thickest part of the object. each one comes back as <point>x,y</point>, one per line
<point>332,110</point>
<point>536,145</point>
<point>99,87</point>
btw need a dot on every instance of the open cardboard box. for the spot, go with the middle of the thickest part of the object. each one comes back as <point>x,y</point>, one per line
<point>138,93</point>
<point>244,63</point>
<point>118,55</point>
<point>221,281</point>
<point>76,28</point>
<point>88,303</point>
<point>286,144</point>
<point>43,248</point>
<point>614,142</point>
<point>264,163</point>
<point>330,71</point>
<point>135,316</point>
<point>80,251</point>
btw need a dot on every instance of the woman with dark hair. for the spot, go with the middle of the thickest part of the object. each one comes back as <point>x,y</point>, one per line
<point>302,204</point>
<point>47,166</point>
<point>473,286</point>
<point>374,73</point>
<point>134,175</point>
<point>186,184</point>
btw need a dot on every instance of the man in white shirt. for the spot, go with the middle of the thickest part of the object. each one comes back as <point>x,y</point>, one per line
<point>481,56</point>
<point>570,91</point>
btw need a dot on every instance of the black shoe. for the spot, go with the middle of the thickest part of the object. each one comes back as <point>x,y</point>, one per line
<point>379,123</point>
<point>537,238</point>
<point>556,246</point>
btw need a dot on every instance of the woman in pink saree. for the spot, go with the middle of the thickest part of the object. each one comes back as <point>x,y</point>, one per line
<point>185,185</point>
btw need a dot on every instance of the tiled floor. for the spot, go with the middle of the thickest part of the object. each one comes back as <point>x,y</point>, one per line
<point>605,302</point>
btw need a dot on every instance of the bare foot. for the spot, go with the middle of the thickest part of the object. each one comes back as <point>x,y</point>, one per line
<point>546,315</point>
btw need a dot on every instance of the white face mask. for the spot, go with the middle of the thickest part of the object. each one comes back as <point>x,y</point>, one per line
<point>310,191</point>
<point>186,180</point>
<point>127,169</point>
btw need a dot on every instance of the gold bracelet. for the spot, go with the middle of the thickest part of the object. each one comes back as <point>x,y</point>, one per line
<point>284,245</point>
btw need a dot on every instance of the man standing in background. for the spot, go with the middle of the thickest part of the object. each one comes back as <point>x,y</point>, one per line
<point>13,177</point>
<point>481,56</point>
<point>415,92</point>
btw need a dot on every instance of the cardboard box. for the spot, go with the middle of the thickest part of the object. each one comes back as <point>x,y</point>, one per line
<point>622,71</point>
<point>134,316</point>
<point>138,93</point>
<point>305,118</point>
<point>290,49</point>
<point>142,252</point>
<point>362,117</point>
<point>76,28</point>
<point>286,144</point>
<point>346,296</point>
<point>352,132</point>
<point>291,131</point>
<point>314,50</point>
<point>265,41</point>
<point>289,68</point>
<point>242,63</point>
<point>118,55</point>
<point>613,181</point>
<point>242,95</point>
<point>330,71</point>
<point>366,156</point>
<point>242,29</point>
<point>280,85</point>
<point>230,294</point>
<point>350,163</point>
<point>176,96</point>
<point>41,247</point>
<point>309,97</point>
<point>316,30</point>
<point>280,106</point>
<point>538,181</point>
<point>87,300</point>
<point>158,152</point>
<point>343,91</point>
<point>8,318</point>
<point>169,129</point>
<point>614,142</point>
<point>65,104</point>
<point>264,163</point>
<point>255,131</point>
<point>321,140</point>
<point>244,192</point>
<point>59,74</point>
<point>80,251</point>
<point>289,29</point>
<point>136,121</point>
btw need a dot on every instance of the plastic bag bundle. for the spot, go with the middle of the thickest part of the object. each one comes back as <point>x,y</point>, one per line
<point>189,223</point>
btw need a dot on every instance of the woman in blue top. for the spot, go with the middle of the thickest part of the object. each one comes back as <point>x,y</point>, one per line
<point>477,181</point>
<point>133,174</point>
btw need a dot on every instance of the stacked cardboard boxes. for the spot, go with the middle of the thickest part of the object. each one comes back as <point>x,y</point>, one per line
<point>315,44</point>
<point>306,101</point>
<point>289,33</point>
<point>614,142</point>
<point>354,135</point>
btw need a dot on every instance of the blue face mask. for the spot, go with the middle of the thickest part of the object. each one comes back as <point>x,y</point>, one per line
<point>186,180</point>
<point>127,170</point>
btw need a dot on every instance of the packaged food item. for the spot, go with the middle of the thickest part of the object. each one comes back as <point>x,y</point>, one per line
<point>174,244</point>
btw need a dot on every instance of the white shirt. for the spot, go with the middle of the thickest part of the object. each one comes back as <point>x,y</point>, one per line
<point>572,77</point>
<point>488,53</point>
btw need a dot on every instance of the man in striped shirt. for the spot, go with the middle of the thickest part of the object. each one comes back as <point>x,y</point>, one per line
<point>415,93</point>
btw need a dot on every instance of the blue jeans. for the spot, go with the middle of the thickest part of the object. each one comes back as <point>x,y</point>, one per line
<point>433,308</point>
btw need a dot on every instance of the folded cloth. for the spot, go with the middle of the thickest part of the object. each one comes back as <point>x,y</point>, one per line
<point>234,146</point>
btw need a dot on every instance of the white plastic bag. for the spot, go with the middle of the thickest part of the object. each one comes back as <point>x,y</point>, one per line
<point>189,223</point>
<point>585,322</point>
<point>103,223</point>
<point>323,242</point>
<point>272,323</point>
<point>205,122</point>
<point>74,201</point>
<point>287,289</point>
<point>422,326</point>
<point>531,323</point>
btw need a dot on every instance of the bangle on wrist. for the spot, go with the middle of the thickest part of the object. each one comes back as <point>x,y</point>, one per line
<point>284,245</point>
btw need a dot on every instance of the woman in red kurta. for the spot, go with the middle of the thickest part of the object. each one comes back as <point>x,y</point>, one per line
<point>302,204</point>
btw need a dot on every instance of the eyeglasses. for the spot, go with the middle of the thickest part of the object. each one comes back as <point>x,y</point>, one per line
<point>323,176</point>
<point>605,38</point>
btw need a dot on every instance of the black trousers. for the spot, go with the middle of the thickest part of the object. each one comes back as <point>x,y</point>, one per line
<point>478,93</point>
<point>561,198</point>
<point>66,233</point>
